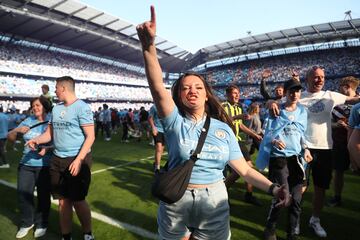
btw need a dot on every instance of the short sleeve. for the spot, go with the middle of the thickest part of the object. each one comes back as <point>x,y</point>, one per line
<point>86,116</point>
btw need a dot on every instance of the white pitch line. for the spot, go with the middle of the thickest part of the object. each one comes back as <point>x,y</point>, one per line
<point>103,218</point>
<point>122,165</point>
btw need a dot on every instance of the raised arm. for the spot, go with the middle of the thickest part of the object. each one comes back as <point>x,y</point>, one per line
<point>162,98</point>
<point>265,74</point>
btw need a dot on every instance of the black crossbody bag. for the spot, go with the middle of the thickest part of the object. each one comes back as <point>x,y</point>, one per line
<point>170,185</point>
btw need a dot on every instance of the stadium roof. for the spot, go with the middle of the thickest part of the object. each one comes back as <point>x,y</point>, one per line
<point>73,25</point>
<point>296,37</point>
<point>76,26</point>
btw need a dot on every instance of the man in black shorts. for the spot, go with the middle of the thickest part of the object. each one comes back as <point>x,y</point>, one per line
<point>158,135</point>
<point>72,130</point>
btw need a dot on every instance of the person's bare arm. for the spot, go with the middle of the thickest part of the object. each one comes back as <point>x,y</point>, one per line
<point>43,138</point>
<point>89,133</point>
<point>162,98</point>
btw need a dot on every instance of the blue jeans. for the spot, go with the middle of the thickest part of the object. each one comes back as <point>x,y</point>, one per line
<point>28,178</point>
<point>201,212</point>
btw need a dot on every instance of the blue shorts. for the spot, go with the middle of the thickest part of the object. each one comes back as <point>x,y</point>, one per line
<point>202,212</point>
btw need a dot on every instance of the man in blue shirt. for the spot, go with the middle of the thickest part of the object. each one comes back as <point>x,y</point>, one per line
<point>72,130</point>
<point>4,121</point>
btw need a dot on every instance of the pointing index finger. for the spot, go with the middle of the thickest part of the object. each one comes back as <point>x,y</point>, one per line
<point>153,16</point>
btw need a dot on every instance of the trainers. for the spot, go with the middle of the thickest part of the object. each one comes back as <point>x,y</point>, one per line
<point>249,198</point>
<point>297,229</point>
<point>269,234</point>
<point>88,237</point>
<point>5,166</point>
<point>39,232</point>
<point>314,223</point>
<point>23,231</point>
<point>334,202</point>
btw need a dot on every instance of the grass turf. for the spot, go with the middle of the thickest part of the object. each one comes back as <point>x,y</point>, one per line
<point>123,193</point>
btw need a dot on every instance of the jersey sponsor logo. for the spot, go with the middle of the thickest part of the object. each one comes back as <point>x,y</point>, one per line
<point>220,134</point>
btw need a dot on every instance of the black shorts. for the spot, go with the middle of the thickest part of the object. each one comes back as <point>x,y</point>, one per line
<point>63,184</point>
<point>340,158</point>
<point>321,167</point>
<point>159,138</point>
<point>244,151</point>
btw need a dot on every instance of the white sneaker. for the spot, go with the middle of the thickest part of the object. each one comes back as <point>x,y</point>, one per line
<point>314,223</point>
<point>23,231</point>
<point>297,229</point>
<point>88,237</point>
<point>39,232</point>
<point>5,166</point>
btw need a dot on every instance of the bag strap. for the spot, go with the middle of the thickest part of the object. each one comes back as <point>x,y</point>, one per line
<point>204,131</point>
<point>38,124</point>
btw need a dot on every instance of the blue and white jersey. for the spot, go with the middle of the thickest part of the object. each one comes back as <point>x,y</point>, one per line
<point>292,133</point>
<point>4,125</point>
<point>32,158</point>
<point>220,146</point>
<point>155,116</point>
<point>354,119</point>
<point>67,122</point>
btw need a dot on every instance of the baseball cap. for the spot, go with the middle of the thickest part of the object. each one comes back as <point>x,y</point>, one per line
<point>292,84</point>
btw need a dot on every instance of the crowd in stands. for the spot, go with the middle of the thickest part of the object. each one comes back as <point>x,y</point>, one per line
<point>12,85</point>
<point>21,59</point>
<point>337,62</point>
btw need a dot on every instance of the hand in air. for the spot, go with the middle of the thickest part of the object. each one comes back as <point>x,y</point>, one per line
<point>147,30</point>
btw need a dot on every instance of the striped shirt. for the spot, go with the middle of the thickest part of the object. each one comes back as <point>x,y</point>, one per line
<point>233,110</point>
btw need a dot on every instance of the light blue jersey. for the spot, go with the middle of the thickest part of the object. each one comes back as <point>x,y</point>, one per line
<point>4,125</point>
<point>155,116</point>
<point>67,122</point>
<point>291,134</point>
<point>354,119</point>
<point>32,158</point>
<point>289,127</point>
<point>220,146</point>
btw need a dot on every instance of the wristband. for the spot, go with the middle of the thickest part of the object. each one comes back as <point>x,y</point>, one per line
<point>270,191</point>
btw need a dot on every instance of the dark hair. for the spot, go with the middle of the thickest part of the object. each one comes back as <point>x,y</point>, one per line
<point>230,88</point>
<point>67,79</point>
<point>213,107</point>
<point>45,86</point>
<point>44,102</point>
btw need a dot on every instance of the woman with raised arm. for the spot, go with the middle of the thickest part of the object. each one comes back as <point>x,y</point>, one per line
<point>203,211</point>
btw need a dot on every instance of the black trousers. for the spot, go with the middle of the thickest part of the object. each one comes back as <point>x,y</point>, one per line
<point>2,151</point>
<point>31,213</point>
<point>288,171</point>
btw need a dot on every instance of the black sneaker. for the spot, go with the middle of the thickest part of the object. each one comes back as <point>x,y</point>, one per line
<point>249,198</point>
<point>334,202</point>
<point>269,234</point>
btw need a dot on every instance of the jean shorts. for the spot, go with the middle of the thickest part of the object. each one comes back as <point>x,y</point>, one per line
<point>201,212</point>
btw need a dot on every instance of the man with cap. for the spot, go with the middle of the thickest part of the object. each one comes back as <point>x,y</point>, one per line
<point>280,150</point>
<point>319,105</point>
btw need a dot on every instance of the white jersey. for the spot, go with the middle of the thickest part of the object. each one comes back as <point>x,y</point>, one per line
<point>319,106</point>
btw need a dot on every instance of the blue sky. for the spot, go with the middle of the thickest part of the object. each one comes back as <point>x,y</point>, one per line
<point>194,24</point>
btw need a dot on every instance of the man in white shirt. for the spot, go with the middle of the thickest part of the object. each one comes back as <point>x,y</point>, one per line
<point>319,105</point>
